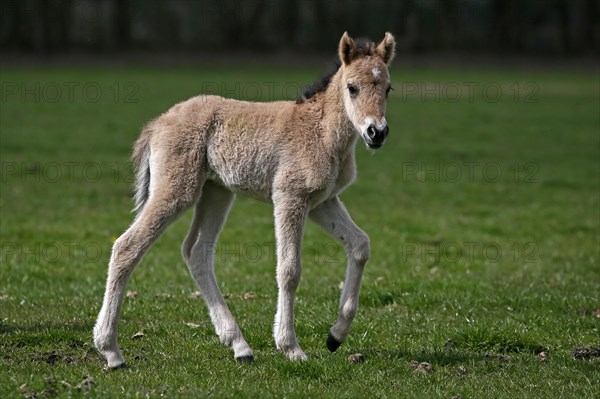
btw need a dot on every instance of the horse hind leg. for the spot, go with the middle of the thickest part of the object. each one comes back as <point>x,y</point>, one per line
<point>163,206</point>
<point>199,252</point>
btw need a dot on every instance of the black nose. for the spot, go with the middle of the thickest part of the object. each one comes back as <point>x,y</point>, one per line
<point>377,135</point>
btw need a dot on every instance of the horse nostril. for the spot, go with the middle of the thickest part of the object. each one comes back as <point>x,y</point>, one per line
<point>371,132</point>
<point>377,135</point>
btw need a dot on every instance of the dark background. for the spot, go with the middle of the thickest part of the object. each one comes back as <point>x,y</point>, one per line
<point>537,28</point>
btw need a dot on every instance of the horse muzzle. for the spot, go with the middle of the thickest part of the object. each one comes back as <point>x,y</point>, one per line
<point>375,137</point>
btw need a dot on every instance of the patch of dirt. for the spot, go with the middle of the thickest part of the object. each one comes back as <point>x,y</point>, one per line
<point>52,388</point>
<point>86,383</point>
<point>54,356</point>
<point>585,311</point>
<point>422,367</point>
<point>356,358</point>
<point>50,357</point>
<point>586,352</point>
<point>76,352</point>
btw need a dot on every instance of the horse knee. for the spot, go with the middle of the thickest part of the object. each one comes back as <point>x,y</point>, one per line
<point>289,277</point>
<point>360,249</point>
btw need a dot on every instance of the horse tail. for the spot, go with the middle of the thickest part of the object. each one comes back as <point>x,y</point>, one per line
<point>141,164</point>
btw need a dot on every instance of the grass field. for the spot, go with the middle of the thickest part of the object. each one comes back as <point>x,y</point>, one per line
<point>483,214</point>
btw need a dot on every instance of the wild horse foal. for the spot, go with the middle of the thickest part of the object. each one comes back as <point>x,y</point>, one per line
<point>298,156</point>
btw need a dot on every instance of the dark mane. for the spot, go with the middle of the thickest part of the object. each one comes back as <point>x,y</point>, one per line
<point>320,85</point>
<point>363,47</point>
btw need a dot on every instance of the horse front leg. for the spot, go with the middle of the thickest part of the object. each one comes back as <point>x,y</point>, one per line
<point>290,217</point>
<point>333,217</point>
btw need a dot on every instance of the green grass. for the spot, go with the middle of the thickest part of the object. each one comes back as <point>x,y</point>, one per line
<point>503,266</point>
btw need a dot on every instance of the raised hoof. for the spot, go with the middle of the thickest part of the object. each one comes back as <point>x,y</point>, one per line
<point>332,343</point>
<point>245,359</point>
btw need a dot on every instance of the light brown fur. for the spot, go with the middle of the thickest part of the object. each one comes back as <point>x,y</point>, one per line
<point>297,156</point>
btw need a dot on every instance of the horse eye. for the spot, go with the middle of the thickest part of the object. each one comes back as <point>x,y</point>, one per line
<point>353,90</point>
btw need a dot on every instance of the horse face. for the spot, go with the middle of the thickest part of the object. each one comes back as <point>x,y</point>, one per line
<point>366,85</point>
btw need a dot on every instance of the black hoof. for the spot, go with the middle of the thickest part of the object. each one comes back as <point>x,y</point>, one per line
<point>245,359</point>
<point>332,343</point>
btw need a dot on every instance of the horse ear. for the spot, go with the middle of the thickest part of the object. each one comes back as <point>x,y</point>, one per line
<point>387,48</point>
<point>346,49</point>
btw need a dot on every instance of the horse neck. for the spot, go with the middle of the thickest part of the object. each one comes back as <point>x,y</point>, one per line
<point>339,133</point>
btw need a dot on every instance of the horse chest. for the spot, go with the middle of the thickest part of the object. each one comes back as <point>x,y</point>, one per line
<point>340,176</point>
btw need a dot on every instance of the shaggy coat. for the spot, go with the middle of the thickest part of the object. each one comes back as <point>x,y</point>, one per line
<point>296,155</point>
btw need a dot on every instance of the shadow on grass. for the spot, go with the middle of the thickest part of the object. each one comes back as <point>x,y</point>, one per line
<point>45,333</point>
<point>440,358</point>
<point>48,343</point>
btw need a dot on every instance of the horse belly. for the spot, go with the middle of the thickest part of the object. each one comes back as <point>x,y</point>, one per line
<point>244,171</point>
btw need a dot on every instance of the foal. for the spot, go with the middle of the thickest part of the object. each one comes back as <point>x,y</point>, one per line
<point>298,156</point>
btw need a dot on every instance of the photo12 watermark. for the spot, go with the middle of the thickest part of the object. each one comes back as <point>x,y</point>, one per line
<point>253,91</point>
<point>51,252</point>
<point>453,92</point>
<point>246,252</point>
<point>66,171</point>
<point>79,172</point>
<point>468,251</point>
<point>469,172</point>
<point>69,92</point>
